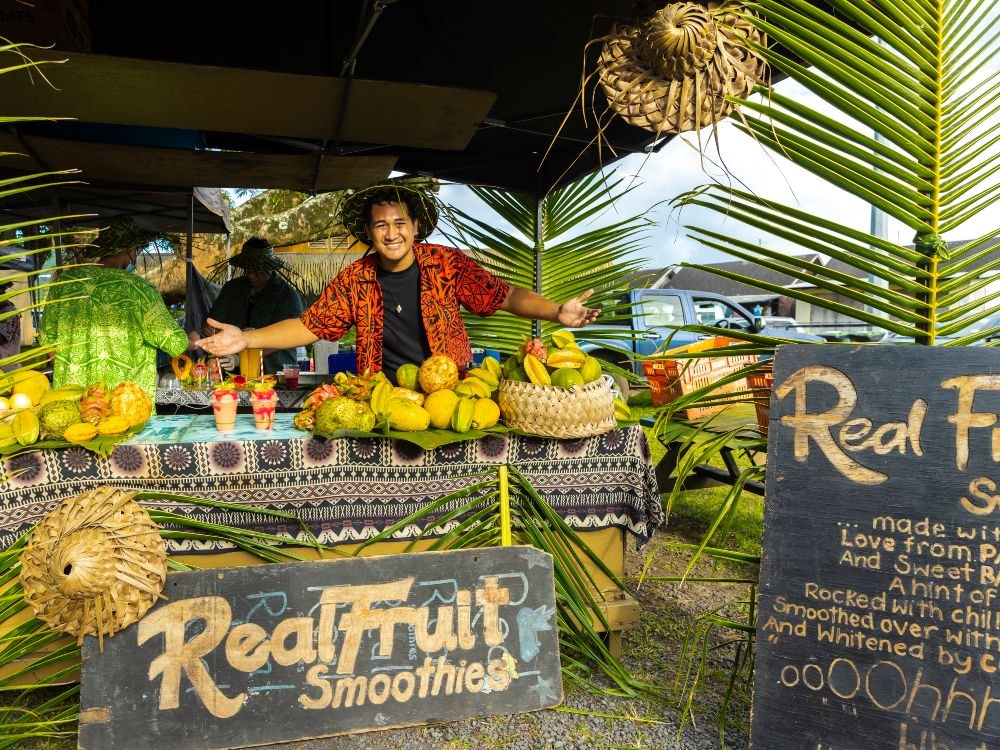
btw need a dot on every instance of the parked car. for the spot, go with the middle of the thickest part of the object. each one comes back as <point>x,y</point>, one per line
<point>657,315</point>
<point>776,322</point>
<point>984,325</point>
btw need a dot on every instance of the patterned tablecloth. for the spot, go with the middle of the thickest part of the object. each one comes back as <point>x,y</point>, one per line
<point>343,489</point>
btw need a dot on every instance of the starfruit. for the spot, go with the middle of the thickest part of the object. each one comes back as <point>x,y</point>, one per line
<point>490,363</point>
<point>381,394</point>
<point>407,416</point>
<point>622,410</point>
<point>568,357</point>
<point>536,371</point>
<point>25,427</point>
<point>461,418</point>
<point>486,376</point>
<point>478,387</point>
<point>7,434</point>
<point>562,339</point>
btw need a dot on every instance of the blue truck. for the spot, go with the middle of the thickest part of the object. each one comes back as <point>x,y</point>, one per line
<point>655,317</point>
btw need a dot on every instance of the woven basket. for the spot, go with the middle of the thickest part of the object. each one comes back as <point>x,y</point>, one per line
<point>94,565</point>
<point>550,411</point>
<point>674,72</point>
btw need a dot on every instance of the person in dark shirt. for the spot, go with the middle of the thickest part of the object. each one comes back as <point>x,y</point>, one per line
<point>261,295</point>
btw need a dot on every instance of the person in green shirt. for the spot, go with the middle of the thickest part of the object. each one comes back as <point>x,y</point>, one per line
<point>108,323</point>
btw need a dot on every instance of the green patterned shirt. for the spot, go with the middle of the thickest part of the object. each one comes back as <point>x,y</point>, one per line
<point>112,332</point>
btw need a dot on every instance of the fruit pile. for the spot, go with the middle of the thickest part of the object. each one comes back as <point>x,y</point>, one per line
<point>561,364</point>
<point>35,411</point>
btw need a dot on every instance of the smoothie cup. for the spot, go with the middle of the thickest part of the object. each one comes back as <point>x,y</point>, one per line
<point>224,403</point>
<point>264,403</point>
<point>292,377</point>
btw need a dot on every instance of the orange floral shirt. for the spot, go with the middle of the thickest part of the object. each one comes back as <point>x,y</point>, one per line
<point>449,280</point>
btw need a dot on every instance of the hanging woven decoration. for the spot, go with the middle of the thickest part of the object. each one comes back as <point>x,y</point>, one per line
<point>674,72</point>
<point>94,565</point>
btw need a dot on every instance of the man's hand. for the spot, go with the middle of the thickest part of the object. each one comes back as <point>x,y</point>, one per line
<point>228,339</point>
<point>573,314</point>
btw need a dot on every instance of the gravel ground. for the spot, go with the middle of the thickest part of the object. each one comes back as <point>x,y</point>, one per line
<point>652,650</point>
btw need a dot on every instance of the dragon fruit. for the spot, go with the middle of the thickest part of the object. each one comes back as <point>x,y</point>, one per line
<point>321,394</point>
<point>535,347</point>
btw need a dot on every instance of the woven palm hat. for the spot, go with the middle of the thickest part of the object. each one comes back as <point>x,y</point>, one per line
<point>355,209</point>
<point>122,233</point>
<point>257,254</point>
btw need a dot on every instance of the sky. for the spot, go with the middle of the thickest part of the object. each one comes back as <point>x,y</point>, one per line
<point>678,168</point>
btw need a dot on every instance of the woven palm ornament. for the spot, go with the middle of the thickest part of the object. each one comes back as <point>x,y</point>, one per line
<point>674,72</point>
<point>94,565</point>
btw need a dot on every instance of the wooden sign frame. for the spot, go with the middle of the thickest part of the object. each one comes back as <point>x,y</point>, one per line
<point>878,626</point>
<point>238,657</point>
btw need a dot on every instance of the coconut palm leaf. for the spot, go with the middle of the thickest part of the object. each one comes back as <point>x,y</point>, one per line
<point>556,247</point>
<point>916,138</point>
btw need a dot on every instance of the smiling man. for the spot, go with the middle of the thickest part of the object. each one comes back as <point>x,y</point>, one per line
<point>404,297</point>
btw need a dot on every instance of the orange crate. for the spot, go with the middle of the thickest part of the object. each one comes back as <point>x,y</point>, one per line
<point>760,383</point>
<point>670,379</point>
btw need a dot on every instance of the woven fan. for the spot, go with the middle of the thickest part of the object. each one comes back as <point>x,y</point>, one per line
<point>674,72</point>
<point>94,565</point>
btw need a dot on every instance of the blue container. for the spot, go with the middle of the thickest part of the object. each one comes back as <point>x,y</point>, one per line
<point>342,362</point>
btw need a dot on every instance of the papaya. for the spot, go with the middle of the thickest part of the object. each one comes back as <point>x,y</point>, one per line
<point>536,371</point>
<point>113,425</point>
<point>81,432</point>
<point>181,365</point>
<point>407,416</point>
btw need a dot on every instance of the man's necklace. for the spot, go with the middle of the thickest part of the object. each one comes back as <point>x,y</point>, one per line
<point>386,290</point>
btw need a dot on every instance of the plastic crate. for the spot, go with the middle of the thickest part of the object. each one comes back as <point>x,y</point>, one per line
<point>760,384</point>
<point>669,379</point>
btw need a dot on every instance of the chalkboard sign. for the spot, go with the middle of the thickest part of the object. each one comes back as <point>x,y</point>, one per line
<point>245,656</point>
<point>878,625</point>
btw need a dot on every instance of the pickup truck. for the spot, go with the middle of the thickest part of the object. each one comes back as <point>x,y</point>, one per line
<point>655,316</point>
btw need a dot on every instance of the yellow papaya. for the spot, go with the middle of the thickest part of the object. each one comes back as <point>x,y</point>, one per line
<point>461,418</point>
<point>407,416</point>
<point>26,427</point>
<point>568,357</point>
<point>381,394</point>
<point>113,425</point>
<point>81,432</point>
<point>536,371</point>
<point>486,376</point>
<point>181,365</point>
<point>486,413</point>
<point>491,364</point>
<point>562,339</point>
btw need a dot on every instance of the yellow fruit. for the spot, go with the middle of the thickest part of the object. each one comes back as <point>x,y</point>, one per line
<point>408,394</point>
<point>478,388</point>
<point>381,394</point>
<point>31,383</point>
<point>591,369</point>
<point>406,376</point>
<point>81,432</point>
<point>622,410</point>
<point>486,376</point>
<point>132,402</point>
<point>437,373</point>
<point>113,425</point>
<point>536,371</point>
<point>441,405</point>
<point>491,364</point>
<point>407,416</point>
<point>568,357</point>
<point>518,375</point>
<point>461,418</point>
<point>509,365</point>
<point>21,401</point>
<point>4,403</point>
<point>7,434</point>
<point>62,393</point>
<point>25,427</point>
<point>485,413</point>
<point>563,338</point>
<point>567,377</point>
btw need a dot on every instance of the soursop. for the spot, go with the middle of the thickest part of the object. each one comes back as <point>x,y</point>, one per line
<point>56,416</point>
<point>343,413</point>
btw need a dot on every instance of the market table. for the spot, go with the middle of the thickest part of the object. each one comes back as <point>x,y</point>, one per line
<point>193,400</point>
<point>347,490</point>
